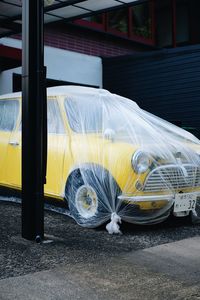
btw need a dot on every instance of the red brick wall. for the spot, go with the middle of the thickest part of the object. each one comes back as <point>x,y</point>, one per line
<point>87,41</point>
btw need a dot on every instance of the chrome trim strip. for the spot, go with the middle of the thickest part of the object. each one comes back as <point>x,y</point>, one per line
<point>147,198</point>
<point>168,197</point>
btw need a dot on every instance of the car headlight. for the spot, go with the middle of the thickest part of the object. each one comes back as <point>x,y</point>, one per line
<point>140,162</point>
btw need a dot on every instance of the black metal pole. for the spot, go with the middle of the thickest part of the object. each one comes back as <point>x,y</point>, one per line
<point>33,120</point>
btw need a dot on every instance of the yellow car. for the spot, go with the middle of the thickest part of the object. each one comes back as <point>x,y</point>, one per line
<point>107,157</point>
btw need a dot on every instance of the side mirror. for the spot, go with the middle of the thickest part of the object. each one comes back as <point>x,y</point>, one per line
<point>109,134</point>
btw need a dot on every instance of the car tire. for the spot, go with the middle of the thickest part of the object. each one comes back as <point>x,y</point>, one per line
<point>92,196</point>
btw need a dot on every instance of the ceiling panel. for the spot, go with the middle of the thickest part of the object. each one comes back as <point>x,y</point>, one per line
<point>9,10</point>
<point>16,2</point>
<point>68,12</point>
<point>71,1</point>
<point>129,1</point>
<point>50,2</point>
<point>56,9</point>
<point>98,5</point>
<point>49,18</point>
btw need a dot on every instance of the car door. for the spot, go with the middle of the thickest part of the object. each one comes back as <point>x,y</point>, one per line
<point>57,143</point>
<point>9,115</point>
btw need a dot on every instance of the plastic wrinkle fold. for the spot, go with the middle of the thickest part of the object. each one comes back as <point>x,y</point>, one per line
<point>113,226</point>
<point>107,158</point>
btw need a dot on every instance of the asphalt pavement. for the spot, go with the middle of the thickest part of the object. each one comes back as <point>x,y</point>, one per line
<point>156,262</point>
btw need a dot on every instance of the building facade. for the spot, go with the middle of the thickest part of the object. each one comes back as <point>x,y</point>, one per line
<point>147,50</point>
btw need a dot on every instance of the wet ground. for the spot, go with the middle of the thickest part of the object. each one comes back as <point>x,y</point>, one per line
<point>74,245</point>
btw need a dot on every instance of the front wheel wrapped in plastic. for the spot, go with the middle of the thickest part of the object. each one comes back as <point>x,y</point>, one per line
<point>92,196</point>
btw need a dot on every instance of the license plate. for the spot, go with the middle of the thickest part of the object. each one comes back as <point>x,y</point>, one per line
<point>185,202</point>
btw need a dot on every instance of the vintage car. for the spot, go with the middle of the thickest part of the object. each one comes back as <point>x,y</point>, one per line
<point>107,157</point>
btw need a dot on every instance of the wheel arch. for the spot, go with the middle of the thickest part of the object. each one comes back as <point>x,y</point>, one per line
<point>87,166</point>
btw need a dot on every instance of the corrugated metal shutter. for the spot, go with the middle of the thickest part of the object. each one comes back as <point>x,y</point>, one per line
<point>166,82</point>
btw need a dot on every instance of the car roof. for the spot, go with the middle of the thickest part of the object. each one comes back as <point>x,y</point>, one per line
<point>63,90</point>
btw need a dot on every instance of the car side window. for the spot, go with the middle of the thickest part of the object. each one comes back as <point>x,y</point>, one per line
<point>9,110</point>
<point>54,119</point>
<point>84,116</point>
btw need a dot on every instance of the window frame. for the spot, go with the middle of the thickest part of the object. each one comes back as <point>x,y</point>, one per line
<point>89,24</point>
<point>115,31</point>
<point>104,26</point>
<point>149,41</point>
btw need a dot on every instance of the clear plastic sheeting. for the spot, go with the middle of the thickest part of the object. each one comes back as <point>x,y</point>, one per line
<point>113,226</point>
<point>129,162</point>
<point>111,161</point>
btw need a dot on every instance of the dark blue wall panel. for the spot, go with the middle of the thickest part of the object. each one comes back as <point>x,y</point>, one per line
<point>164,82</point>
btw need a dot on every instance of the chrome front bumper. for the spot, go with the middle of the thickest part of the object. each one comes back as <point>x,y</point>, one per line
<point>155,215</point>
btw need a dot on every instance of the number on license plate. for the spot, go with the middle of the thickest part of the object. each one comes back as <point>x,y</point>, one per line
<point>185,202</point>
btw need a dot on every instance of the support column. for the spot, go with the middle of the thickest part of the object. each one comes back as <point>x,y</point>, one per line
<point>34,135</point>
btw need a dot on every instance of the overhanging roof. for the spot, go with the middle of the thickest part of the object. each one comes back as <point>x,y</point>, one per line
<point>55,10</point>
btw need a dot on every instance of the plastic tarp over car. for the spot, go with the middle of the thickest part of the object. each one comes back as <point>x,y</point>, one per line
<point>129,164</point>
<point>110,160</point>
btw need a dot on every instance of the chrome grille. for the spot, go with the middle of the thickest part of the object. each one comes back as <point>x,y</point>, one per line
<point>172,177</point>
